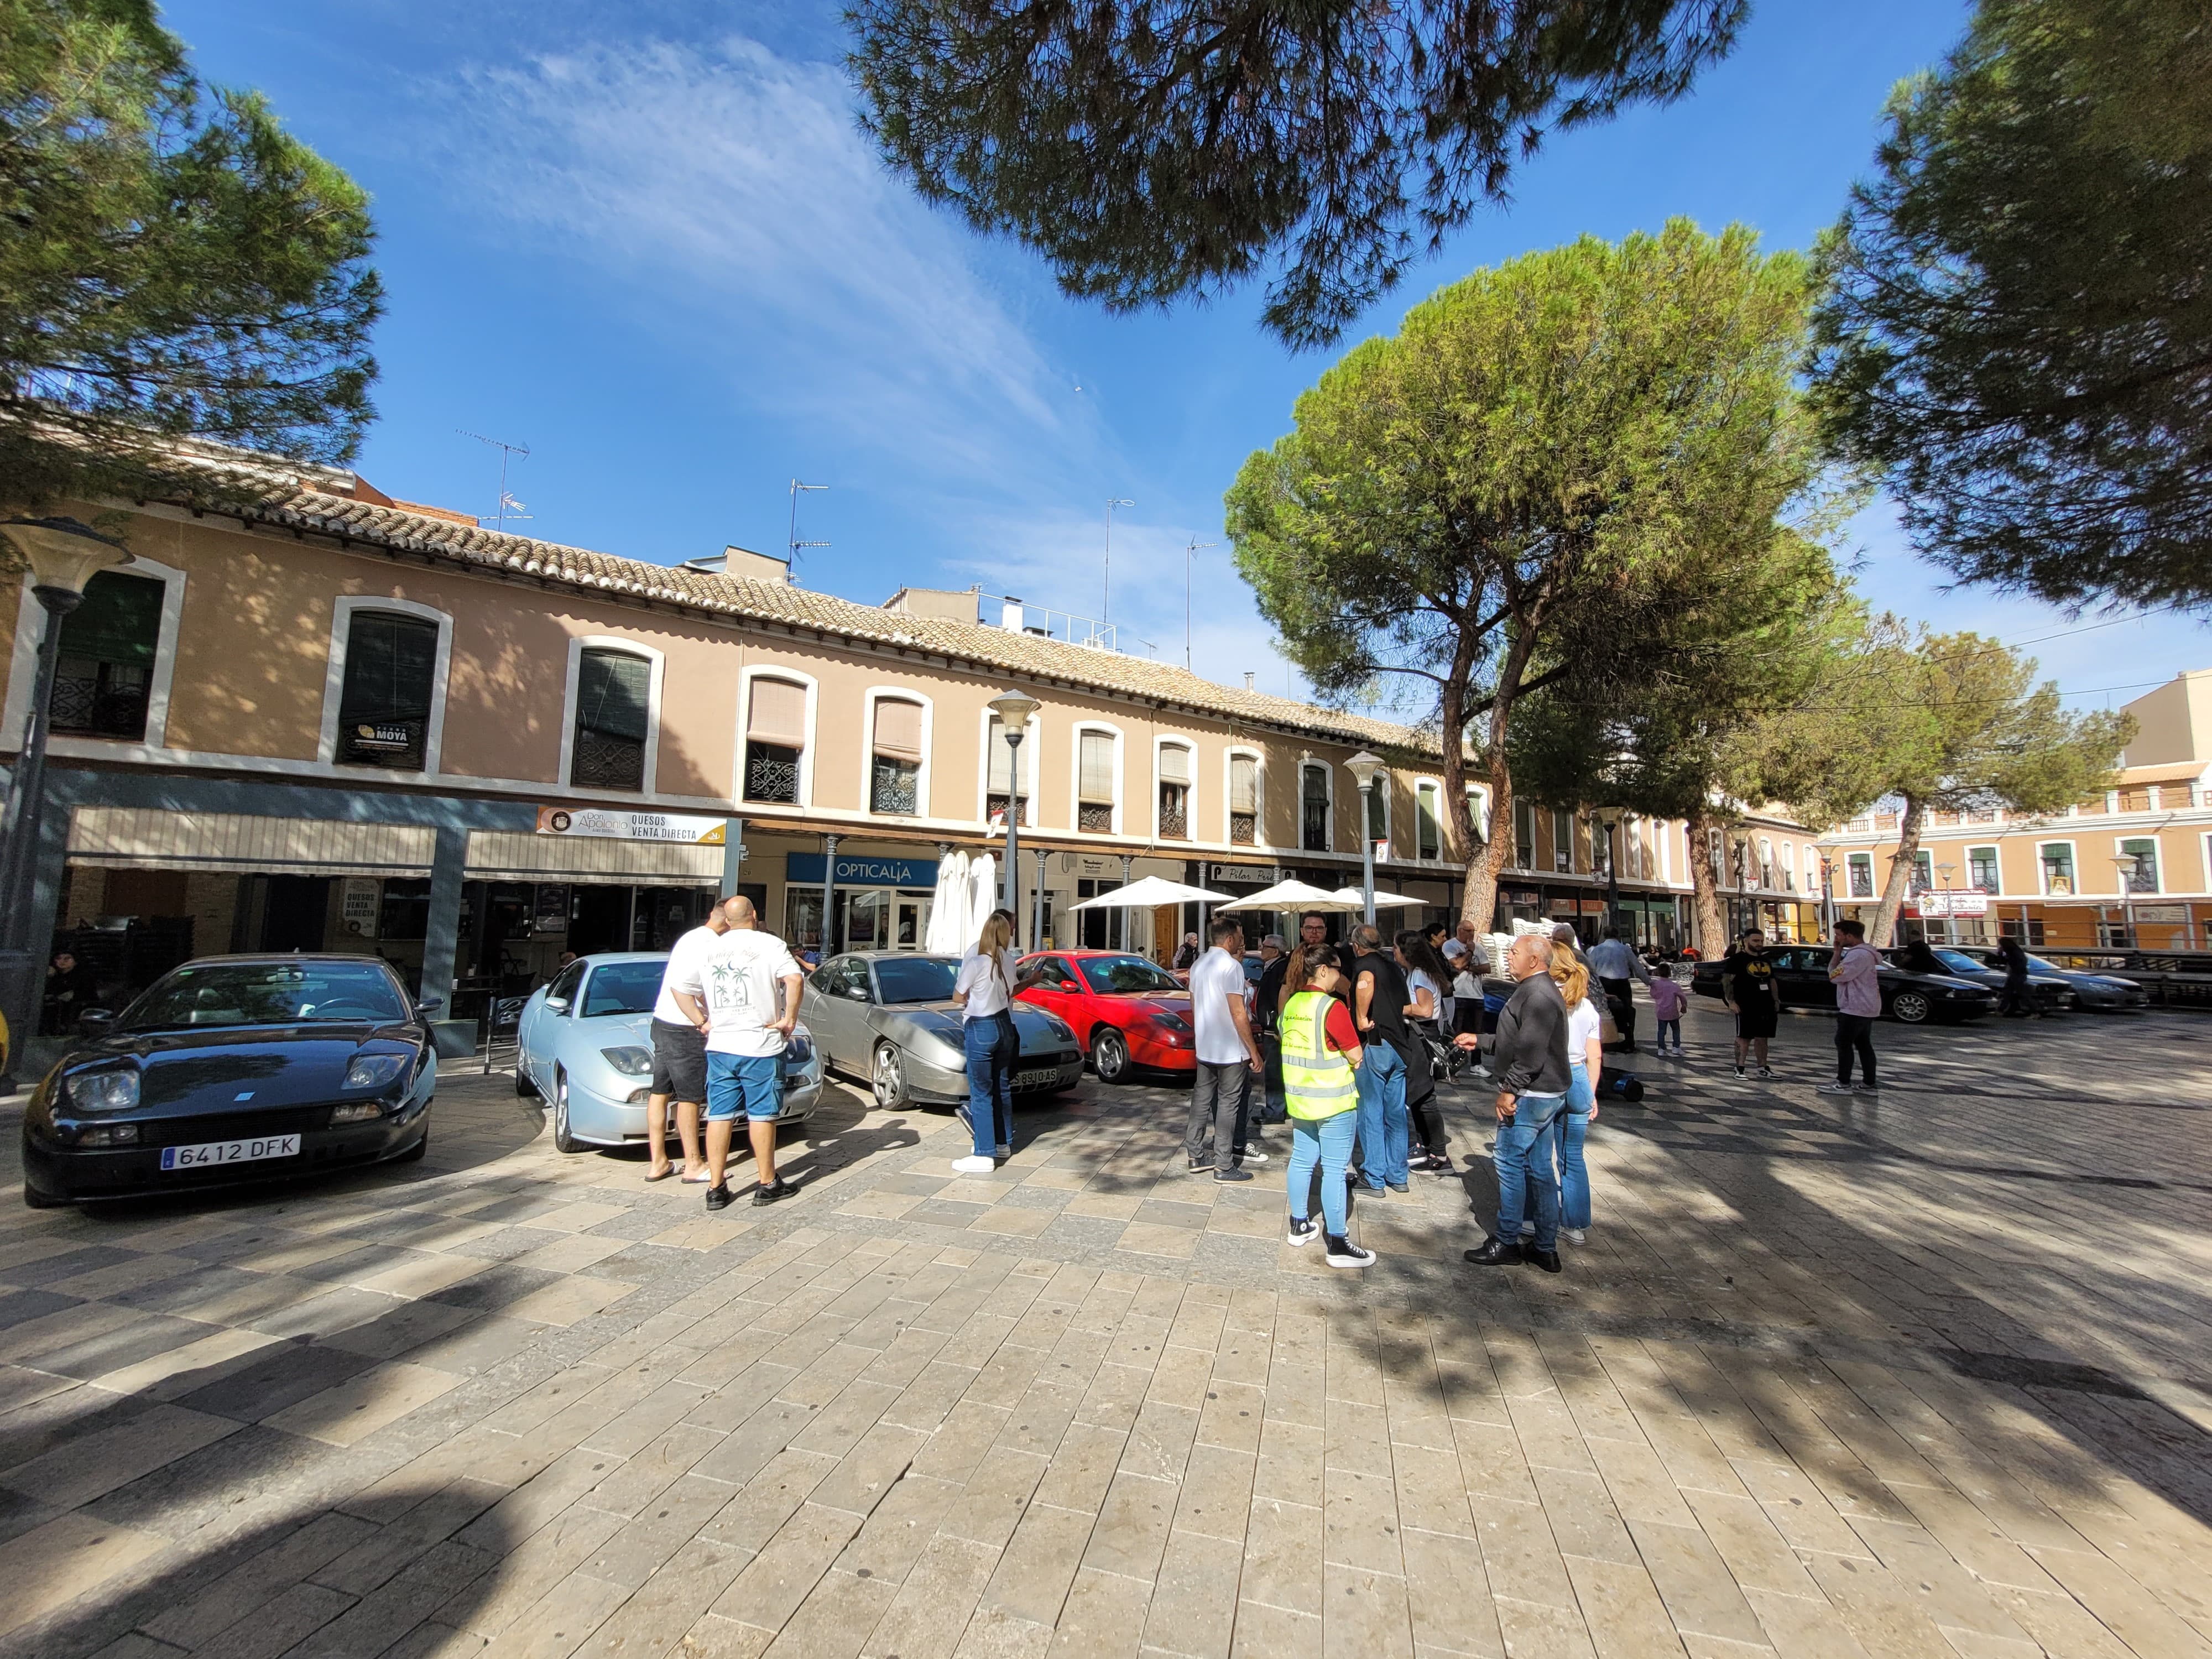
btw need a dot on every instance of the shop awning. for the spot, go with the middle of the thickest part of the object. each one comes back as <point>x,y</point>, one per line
<point>502,855</point>
<point>150,838</point>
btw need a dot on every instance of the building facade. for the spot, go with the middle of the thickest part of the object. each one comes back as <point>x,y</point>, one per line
<point>328,719</point>
<point>2132,867</point>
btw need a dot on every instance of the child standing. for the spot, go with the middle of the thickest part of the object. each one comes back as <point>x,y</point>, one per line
<point>1668,1001</point>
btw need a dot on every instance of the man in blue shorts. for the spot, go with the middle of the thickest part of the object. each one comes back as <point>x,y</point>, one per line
<point>733,987</point>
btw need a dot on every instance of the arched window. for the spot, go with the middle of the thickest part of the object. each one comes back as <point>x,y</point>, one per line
<point>390,679</point>
<point>1428,827</point>
<point>895,771</point>
<point>104,678</point>
<point>776,739</point>
<point>1178,772</point>
<point>1313,808</point>
<point>614,720</point>
<point>1244,800</point>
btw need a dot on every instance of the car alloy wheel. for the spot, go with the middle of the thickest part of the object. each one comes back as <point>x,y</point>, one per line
<point>1109,1055</point>
<point>562,1140</point>
<point>888,1078</point>
<point>523,1086</point>
<point>1910,1007</point>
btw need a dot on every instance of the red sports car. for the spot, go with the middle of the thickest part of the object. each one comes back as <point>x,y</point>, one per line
<point>1127,1012</point>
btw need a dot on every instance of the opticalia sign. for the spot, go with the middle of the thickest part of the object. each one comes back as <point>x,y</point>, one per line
<point>630,826</point>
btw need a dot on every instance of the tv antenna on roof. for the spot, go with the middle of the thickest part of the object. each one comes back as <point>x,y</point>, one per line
<point>508,507</point>
<point>796,487</point>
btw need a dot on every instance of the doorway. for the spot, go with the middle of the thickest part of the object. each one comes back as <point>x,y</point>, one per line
<point>295,912</point>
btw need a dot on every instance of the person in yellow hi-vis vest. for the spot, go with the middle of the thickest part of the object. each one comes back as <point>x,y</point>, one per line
<point>1321,1052</point>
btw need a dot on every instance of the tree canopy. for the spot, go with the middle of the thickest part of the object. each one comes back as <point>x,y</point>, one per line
<point>175,262</point>
<point>1155,149</point>
<point>2019,326</point>
<point>1543,479</point>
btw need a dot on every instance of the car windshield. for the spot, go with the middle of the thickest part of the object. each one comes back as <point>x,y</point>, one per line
<point>915,979</point>
<point>1124,975</point>
<point>1960,962</point>
<point>623,988</point>
<point>266,993</point>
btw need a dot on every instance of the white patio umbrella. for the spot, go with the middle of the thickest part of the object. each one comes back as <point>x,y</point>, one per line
<point>1356,900</point>
<point>982,899</point>
<point>1298,895</point>
<point>1150,891</point>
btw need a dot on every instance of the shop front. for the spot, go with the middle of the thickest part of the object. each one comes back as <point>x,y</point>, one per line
<point>882,900</point>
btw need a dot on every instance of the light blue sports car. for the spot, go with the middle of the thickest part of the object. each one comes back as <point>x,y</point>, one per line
<point>585,1043</point>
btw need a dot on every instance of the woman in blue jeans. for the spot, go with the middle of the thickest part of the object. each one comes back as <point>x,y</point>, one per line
<point>985,992</point>
<point>1585,1061</point>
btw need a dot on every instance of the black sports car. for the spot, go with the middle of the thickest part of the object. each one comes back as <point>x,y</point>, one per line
<point>233,1069</point>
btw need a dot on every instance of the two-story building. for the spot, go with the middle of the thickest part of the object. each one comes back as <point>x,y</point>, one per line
<point>2133,865</point>
<point>326,719</point>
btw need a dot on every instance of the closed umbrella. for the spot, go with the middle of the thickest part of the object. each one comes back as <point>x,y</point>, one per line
<point>948,909</point>
<point>982,899</point>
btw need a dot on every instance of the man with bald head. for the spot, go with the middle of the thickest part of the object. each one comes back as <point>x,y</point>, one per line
<point>744,990</point>
<point>1532,1078</point>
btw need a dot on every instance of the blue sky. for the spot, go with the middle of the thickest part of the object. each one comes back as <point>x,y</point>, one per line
<point>645,240</point>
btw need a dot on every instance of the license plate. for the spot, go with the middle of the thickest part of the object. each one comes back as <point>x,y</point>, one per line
<point>1036,1080</point>
<point>209,1153</point>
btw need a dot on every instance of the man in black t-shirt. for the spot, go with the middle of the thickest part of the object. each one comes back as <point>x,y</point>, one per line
<point>1379,997</point>
<point>1748,985</point>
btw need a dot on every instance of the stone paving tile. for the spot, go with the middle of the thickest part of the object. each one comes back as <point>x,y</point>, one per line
<point>1827,1380</point>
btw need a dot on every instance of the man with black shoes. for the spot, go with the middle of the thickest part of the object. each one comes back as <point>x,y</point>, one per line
<point>1532,1067</point>
<point>732,989</point>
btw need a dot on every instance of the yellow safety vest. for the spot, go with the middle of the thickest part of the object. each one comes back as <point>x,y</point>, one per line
<point>1316,1078</point>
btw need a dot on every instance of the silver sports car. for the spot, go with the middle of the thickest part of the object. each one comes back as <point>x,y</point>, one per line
<point>888,1016</point>
<point>583,1044</point>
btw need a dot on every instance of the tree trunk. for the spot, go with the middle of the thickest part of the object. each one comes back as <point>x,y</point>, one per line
<point>1910,824</point>
<point>1478,901</point>
<point>1704,890</point>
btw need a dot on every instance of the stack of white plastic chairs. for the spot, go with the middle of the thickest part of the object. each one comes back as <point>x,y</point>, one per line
<point>1499,944</point>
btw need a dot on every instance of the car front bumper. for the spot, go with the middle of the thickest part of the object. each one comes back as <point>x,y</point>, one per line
<point>59,1170</point>
<point>942,1086</point>
<point>599,1121</point>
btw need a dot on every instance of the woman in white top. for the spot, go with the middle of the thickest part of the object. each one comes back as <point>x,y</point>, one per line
<point>1585,1061</point>
<point>985,992</point>
<point>1426,976</point>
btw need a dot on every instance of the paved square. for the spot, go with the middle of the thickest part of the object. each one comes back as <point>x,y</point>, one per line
<point>1925,1377</point>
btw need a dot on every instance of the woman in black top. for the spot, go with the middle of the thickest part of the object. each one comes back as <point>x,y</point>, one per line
<point>2014,1002</point>
<point>1747,984</point>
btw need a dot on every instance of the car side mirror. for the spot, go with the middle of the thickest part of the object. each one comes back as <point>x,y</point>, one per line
<point>96,1022</point>
<point>857,992</point>
<point>427,1006</point>
<point>556,1004</point>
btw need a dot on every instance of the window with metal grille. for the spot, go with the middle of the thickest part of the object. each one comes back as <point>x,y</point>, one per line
<point>1563,841</point>
<point>776,739</point>
<point>1860,867</point>
<point>1313,809</point>
<point>1000,800</point>
<point>1094,782</point>
<point>1428,833</point>
<point>1982,868</point>
<point>104,673</point>
<point>1176,783</point>
<point>613,693</point>
<point>384,708</point>
<point>895,775</point>
<point>1243,800</point>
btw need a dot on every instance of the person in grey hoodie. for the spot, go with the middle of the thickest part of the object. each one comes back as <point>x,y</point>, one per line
<point>1532,1067</point>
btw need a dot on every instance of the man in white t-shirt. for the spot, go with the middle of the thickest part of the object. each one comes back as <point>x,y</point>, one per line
<point>679,1058</point>
<point>731,990</point>
<point>1229,1058</point>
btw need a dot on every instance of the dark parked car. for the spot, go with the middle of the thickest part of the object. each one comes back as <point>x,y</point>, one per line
<point>2106,992</point>
<point>2050,991</point>
<point>1801,974</point>
<point>233,1069</point>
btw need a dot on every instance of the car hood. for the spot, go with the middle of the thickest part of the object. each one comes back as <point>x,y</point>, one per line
<point>1039,1032</point>
<point>249,1067</point>
<point>618,1031</point>
<point>1140,1003</point>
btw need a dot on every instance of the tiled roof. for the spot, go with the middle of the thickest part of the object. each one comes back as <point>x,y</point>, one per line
<point>1021,656</point>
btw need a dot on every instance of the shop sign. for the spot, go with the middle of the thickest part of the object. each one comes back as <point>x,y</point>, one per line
<point>1244,875</point>
<point>1951,904</point>
<point>552,914</point>
<point>630,826</point>
<point>383,739</point>
<point>2163,915</point>
<point>358,903</point>
<point>860,871</point>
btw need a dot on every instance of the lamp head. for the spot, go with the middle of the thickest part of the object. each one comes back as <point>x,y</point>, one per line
<point>1365,768</point>
<point>1014,709</point>
<point>62,553</point>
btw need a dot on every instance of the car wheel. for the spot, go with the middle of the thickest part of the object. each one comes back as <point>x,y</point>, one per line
<point>887,1078</point>
<point>414,1154</point>
<point>1910,1007</point>
<point>562,1140</point>
<point>1109,1055</point>
<point>35,1199</point>
<point>523,1086</point>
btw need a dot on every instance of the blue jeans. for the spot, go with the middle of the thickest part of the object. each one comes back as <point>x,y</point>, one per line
<point>1383,1131</point>
<point>1326,1141</point>
<point>1670,1034</point>
<point>990,1044</point>
<point>1568,1131</point>
<point>1524,1158</point>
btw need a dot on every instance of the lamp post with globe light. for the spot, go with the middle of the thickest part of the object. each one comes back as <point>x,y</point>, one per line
<point>1365,769</point>
<point>2129,865</point>
<point>1014,709</point>
<point>62,556</point>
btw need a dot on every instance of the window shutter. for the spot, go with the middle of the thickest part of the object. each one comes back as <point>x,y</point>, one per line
<point>119,621</point>
<point>1097,782</point>
<point>777,713</point>
<point>1001,758</point>
<point>1317,787</point>
<point>898,729</point>
<point>1243,784</point>
<point>1429,834</point>
<point>612,693</point>
<point>1175,765</point>
<point>390,663</point>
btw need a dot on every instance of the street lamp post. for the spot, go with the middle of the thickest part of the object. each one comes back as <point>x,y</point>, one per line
<point>2130,865</point>
<point>1950,922</point>
<point>1827,901</point>
<point>1612,878</point>
<point>1365,769</point>
<point>1014,709</point>
<point>62,556</point>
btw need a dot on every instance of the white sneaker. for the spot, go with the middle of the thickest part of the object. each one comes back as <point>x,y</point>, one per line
<point>1252,1155</point>
<point>1004,1150</point>
<point>1575,1235</point>
<point>1838,1089</point>
<point>972,1165</point>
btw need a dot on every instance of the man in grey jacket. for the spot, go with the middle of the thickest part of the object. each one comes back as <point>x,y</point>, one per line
<point>1532,1067</point>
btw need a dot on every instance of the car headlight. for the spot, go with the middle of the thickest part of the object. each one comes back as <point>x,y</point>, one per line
<point>355,1111</point>
<point>103,1092</point>
<point>798,1051</point>
<point>630,1062</point>
<point>1060,1028</point>
<point>108,1134</point>
<point>374,1070</point>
